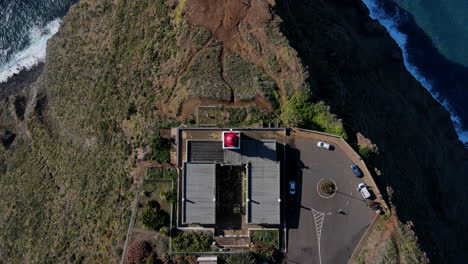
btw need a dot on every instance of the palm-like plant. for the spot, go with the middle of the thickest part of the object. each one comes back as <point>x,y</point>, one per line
<point>242,258</point>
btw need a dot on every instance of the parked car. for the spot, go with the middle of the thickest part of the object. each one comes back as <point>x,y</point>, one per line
<point>324,145</point>
<point>292,187</point>
<point>356,170</point>
<point>362,188</point>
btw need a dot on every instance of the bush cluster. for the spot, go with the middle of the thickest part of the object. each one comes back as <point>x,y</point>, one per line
<point>161,149</point>
<point>242,258</point>
<point>300,111</point>
<point>153,217</point>
<point>191,242</point>
<point>328,187</point>
<point>169,195</point>
<point>269,237</point>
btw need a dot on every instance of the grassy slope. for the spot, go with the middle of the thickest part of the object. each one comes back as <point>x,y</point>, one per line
<point>63,194</point>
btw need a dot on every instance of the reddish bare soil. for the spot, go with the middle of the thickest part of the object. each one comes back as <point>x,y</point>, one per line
<point>233,23</point>
<point>223,17</point>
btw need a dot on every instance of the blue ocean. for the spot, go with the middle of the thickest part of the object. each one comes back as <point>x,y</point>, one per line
<point>433,37</point>
<point>432,34</point>
<point>25,27</point>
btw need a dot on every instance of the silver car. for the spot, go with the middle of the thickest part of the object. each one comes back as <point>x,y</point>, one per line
<point>324,145</point>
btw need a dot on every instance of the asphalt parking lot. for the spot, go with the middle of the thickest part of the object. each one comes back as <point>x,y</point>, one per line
<point>317,232</point>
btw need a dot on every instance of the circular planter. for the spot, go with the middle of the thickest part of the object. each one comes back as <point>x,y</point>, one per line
<point>326,188</point>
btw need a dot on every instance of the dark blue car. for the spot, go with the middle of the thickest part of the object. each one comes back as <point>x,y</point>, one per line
<point>356,170</point>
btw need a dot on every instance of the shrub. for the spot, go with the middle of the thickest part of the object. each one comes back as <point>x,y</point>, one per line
<point>169,195</point>
<point>161,149</point>
<point>191,242</point>
<point>154,173</point>
<point>242,258</point>
<point>367,153</point>
<point>170,173</point>
<point>328,187</point>
<point>265,252</point>
<point>164,231</point>
<point>138,251</point>
<point>300,111</point>
<point>154,218</point>
<point>269,237</point>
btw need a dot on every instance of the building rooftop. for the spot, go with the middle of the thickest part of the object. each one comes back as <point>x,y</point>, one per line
<point>263,178</point>
<point>199,194</point>
<point>205,150</point>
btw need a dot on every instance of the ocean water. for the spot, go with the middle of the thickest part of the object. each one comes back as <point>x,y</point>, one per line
<point>433,37</point>
<point>25,27</point>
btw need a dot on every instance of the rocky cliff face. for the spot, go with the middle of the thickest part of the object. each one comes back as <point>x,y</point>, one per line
<point>120,65</point>
<point>359,70</point>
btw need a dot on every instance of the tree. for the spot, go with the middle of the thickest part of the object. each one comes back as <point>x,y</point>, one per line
<point>154,218</point>
<point>138,252</point>
<point>242,258</point>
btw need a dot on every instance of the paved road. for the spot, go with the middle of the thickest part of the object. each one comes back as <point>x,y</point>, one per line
<point>317,233</point>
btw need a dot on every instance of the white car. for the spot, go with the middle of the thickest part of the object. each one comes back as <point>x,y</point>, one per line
<point>292,187</point>
<point>362,188</point>
<point>324,145</point>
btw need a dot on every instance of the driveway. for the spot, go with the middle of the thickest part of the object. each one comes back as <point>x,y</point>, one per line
<point>317,232</point>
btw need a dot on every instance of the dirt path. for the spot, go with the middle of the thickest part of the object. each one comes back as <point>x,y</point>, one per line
<point>187,65</point>
<point>223,74</point>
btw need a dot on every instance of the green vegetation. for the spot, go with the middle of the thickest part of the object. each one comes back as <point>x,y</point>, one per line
<point>203,77</point>
<point>365,153</point>
<point>161,173</point>
<point>169,195</point>
<point>269,237</point>
<point>369,155</point>
<point>241,258</point>
<point>328,187</point>
<point>248,80</point>
<point>178,10</point>
<point>300,111</point>
<point>191,242</point>
<point>273,63</point>
<point>153,217</point>
<point>161,148</point>
<point>200,35</point>
<point>164,231</point>
<point>246,116</point>
<point>265,252</point>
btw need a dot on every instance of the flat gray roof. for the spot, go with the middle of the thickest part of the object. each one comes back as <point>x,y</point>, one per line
<point>199,194</point>
<point>263,182</point>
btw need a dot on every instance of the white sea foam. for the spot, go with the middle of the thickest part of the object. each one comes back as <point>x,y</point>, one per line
<point>391,24</point>
<point>33,54</point>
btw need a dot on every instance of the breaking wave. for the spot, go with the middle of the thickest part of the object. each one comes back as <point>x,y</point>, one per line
<point>33,54</point>
<point>391,23</point>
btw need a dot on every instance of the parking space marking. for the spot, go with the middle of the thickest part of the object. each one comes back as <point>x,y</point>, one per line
<point>319,217</point>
